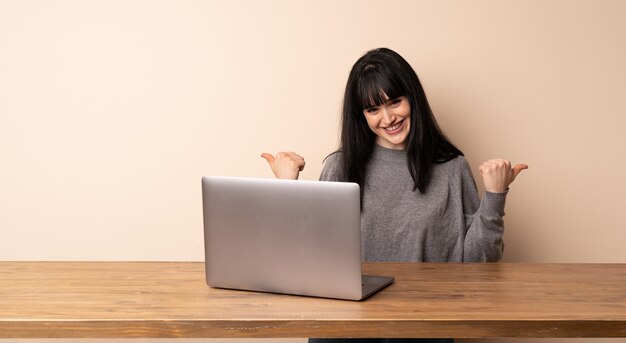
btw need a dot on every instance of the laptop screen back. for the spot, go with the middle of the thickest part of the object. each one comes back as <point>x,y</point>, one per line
<point>283,236</point>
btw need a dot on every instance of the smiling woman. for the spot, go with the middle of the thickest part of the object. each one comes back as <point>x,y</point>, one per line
<point>390,122</point>
<point>376,77</point>
<point>419,198</point>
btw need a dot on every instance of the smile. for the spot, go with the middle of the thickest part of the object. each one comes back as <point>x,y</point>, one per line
<point>394,129</point>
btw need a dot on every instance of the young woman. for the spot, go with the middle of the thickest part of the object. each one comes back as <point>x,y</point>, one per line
<point>419,198</point>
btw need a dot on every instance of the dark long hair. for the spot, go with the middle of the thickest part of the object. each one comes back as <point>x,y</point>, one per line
<point>378,73</point>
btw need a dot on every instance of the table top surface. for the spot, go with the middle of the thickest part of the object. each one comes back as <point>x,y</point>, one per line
<point>171,299</point>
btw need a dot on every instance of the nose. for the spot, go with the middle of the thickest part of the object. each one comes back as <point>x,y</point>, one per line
<point>387,115</point>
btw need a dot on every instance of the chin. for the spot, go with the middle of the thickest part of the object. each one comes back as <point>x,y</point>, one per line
<point>398,141</point>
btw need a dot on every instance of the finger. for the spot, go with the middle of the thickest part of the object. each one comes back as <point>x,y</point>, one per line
<point>494,164</point>
<point>487,167</point>
<point>499,163</point>
<point>518,169</point>
<point>299,163</point>
<point>270,159</point>
<point>295,156</point>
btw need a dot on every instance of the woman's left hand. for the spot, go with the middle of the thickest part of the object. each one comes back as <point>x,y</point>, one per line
<point>498,174</point>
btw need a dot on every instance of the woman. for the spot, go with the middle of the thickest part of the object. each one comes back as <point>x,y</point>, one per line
<point>419,198</point>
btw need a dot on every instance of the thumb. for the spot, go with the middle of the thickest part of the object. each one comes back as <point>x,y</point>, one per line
<point>270,159</point>
<point>518,169</point>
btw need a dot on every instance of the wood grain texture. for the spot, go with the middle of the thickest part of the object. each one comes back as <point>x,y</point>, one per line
<point>171,299</point>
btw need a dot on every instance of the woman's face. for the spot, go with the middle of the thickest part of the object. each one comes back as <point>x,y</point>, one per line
<point>390,122</point>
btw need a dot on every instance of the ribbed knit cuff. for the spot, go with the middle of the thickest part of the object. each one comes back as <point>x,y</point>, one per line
<point>493,203</point>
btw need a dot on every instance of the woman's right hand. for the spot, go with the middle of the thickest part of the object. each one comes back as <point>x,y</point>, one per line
<point>286,165</point>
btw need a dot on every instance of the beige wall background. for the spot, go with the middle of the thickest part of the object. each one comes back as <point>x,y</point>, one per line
<point>111,111</point>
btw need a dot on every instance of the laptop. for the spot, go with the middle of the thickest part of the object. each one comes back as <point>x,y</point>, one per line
<point>285,236</point>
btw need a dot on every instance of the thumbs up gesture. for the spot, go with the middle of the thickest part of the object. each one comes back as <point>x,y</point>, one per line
<point>498,175</point>
<point>286,165</point>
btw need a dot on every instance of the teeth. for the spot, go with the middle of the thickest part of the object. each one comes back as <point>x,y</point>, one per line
<point>391,128</point>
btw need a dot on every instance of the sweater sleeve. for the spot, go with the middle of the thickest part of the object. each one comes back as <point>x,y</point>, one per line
<point>483,220</point>
<point>330,171</point>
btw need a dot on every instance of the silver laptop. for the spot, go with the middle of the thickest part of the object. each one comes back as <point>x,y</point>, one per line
<point>285,236</point>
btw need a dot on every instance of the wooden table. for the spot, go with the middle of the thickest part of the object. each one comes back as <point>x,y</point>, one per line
<point>154,299</point>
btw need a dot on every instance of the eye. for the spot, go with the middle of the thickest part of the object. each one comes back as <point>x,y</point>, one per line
<point>396,101</point>
<point>371,110</point>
